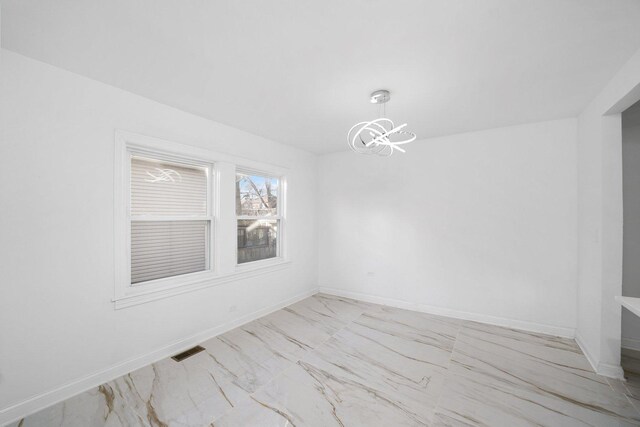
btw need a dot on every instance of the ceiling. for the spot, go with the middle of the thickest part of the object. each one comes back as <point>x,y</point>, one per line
<point>300,72</point>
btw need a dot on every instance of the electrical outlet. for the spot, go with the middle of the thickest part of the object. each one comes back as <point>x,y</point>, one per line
<point>233,308</point>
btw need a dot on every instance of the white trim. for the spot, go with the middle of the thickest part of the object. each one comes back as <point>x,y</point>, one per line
<point>281,216</point>
<point>604,369</point>
<point>586,352</point>
<point>36,403</point>
<point>127,147</point>
<point>257,218</point>
<point>246,267</point>
<point>631,343</point>
<point>611,371</point>
<point>125,294</point>
<point>442,311</point>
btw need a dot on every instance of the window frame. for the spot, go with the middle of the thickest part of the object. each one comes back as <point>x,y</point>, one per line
<point>280,216</point>
<point>209,216</point>
<point>128,145</point>
<point>223,229</point>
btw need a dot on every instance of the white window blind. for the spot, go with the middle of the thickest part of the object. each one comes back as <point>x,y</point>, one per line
<point>170,222</point>
<point>161,188</point>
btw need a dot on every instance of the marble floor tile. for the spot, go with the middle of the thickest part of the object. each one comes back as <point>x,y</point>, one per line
<point>468,402</point>
<point>188,393</point>
<point>385,368</point>
<point>498,375</point>
<point>436,333</point>
<point>331,361</point>
<point>297,329</point>
<point>305,395</point>
<point>629,387</point>
<point>630,360</point>
<point>242,358</point>
<point>525,359</point>
<point>255,414</point>
<point>86,409</point>
<point>345,309</point>
<point>633,385</point>
<point>631,365</point>
<point>635,400</point>
<point>618,385</point>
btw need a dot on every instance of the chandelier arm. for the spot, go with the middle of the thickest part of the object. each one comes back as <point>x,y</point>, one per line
<point>411,139</point>
<point>374,137</point>
<point>402,150</point>
<point>365,126</point>
<point>386,135</point>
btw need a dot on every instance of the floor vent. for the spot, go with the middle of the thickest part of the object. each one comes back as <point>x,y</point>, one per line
<point>195,350</point>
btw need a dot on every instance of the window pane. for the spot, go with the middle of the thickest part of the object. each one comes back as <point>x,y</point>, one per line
<point>166,188</point>
<point>256,195</point>
<point>257,240</point>
<point>167,248</point>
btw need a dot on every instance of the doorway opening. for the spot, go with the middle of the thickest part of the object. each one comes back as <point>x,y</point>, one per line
<point>630,327</point>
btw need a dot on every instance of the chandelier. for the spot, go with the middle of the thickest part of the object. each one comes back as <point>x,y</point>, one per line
<point>380,136</point>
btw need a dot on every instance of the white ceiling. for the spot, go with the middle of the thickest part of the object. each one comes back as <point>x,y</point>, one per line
<point>300,72</point>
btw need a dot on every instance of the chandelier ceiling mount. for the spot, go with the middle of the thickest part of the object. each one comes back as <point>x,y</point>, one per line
<point>381,96</point>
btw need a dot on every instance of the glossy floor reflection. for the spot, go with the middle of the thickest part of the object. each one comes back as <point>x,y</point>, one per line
<point>330,361</point>
<point>631,366</point>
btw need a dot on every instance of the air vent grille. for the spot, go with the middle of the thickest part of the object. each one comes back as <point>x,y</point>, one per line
<point>188,353</point>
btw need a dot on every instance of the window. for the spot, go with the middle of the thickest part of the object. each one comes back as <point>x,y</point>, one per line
<point>170,218</point>
<point>259,222</point>
<point>169,204</point>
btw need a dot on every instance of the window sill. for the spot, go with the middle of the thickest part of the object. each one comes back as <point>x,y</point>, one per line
<point>261,265</point>
<point>138,296</point>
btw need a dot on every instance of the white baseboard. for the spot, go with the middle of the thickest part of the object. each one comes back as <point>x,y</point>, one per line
<point>44,400</point>
<point>611,371</point>
<point>631,344</point>
<point>482,318</point>
<point>586,352</point>
<point>604,369</point>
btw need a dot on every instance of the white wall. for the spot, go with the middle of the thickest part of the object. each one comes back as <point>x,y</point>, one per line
<point>631,238</point>
<point>480,225</point>
<point>600,218</point>
<point>57,230</point>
